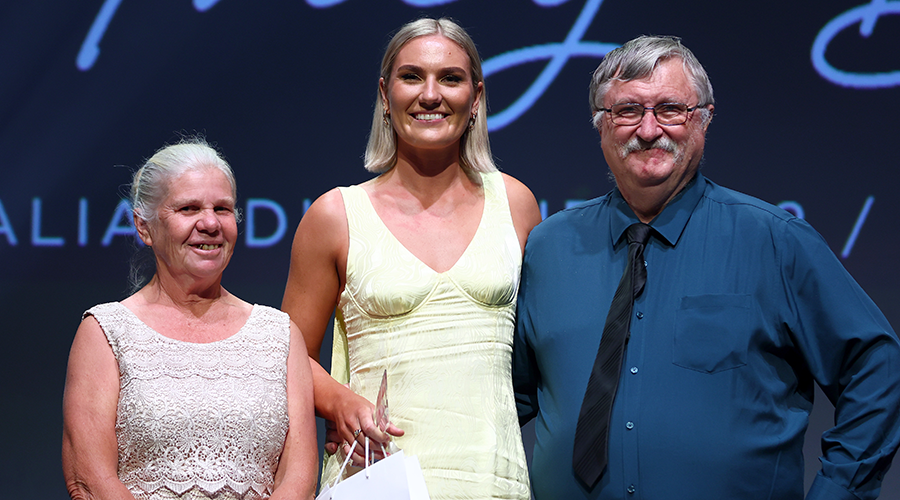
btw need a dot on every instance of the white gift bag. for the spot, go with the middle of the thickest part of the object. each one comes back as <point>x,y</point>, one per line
<point>396,477</point>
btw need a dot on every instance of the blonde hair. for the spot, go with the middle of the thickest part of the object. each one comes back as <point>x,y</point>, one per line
<point>474,146</point>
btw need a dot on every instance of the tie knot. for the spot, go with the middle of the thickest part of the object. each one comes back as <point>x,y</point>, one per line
<point>638,233</point>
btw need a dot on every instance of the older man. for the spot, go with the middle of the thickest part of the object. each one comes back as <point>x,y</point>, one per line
<point>690,374</point>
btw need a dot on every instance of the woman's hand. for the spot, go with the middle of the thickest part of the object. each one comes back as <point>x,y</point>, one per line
<point>354,420</point>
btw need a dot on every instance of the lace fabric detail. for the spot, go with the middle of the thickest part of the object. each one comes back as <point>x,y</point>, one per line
<point>195,493</point>
<point>199,420</point>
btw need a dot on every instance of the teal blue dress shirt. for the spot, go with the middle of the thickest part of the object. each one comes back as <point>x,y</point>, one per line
<point>744,309</point>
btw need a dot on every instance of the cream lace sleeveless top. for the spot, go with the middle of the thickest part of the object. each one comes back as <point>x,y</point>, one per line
<point>199,421</point>
<point>445,340</point>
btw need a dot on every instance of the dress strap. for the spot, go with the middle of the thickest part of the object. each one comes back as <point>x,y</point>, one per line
<point>496,202</point>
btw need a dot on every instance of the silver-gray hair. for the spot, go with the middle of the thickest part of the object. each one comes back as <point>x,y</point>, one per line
<point>150,184</point>
<point>637,59</point>
<point>474,147</point>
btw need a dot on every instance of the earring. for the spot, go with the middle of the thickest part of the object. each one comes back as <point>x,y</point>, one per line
<point>472,120</point>
<point>386,117</point>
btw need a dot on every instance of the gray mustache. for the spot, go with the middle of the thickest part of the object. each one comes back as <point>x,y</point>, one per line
<point>638,144</point>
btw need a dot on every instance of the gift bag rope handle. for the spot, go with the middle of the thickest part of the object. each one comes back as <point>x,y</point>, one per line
<point>340,474</point>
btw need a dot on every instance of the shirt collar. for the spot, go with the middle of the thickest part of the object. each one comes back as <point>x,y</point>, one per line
<point>669,224</point>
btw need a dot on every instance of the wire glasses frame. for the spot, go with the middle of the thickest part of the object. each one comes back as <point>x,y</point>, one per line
<point>667,113</point>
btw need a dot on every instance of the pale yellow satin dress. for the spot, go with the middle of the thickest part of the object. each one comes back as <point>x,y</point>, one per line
<point>445,340</point>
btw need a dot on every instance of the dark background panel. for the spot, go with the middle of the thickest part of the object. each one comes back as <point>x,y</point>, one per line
<point>286,90</point>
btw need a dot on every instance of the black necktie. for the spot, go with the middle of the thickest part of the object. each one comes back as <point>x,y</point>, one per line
<point>590,456</point>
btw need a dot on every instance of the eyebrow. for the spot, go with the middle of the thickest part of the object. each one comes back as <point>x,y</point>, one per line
<point>180,202</point>
<point>449,69</point>
<point>665,100</point>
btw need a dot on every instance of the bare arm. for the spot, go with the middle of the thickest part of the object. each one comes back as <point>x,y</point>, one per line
<point>524,208</point>
<point>89,448</point>
<point>297,468</point>
<point>316,279</point>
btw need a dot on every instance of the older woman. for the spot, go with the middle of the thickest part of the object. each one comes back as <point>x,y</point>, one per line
<point>183,390</point>
<point>423,264</point>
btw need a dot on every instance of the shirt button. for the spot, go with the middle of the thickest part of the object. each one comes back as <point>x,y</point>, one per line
<point>631,489</point>
<point>629,425</point>
<point>639,315</point>
<point>634,370</point>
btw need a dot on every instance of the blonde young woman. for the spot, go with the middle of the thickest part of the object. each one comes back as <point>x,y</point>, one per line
<point>421,267</point>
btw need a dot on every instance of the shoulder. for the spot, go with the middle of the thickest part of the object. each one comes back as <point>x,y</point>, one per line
<point>739,201</point>
<point>93,339</point>
<point>270,327</point>
<point>521,199</point>
<point>513,185</point>
<point>104,309</point>
<point>585,215</point>
<point>750,211</point>
<point>328,207</point>
<point>324,225</point>
<point>276,317</point>
<point>570,234</point>
<point>759,219</point>
<point>272,314</point>
<point>110,318</point>
<point>516,191</point>
<point>90,323</point>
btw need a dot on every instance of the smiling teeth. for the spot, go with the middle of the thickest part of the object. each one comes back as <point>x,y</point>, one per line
<point>207,247</point>
<point>431,116</point>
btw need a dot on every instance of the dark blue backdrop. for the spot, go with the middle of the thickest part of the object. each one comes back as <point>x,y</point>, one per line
<point>808,94</point>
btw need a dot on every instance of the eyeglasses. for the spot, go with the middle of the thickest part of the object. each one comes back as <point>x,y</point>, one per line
<point>667,113</point>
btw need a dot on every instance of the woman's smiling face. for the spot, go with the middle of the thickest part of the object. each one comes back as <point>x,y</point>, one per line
<point>196,227</point>
<point>430,94</point>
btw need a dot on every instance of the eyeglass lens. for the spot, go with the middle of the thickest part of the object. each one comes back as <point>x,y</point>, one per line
<point>670,113</point>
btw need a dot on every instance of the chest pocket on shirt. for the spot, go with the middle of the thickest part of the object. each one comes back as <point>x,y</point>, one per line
<point>711,332</point>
